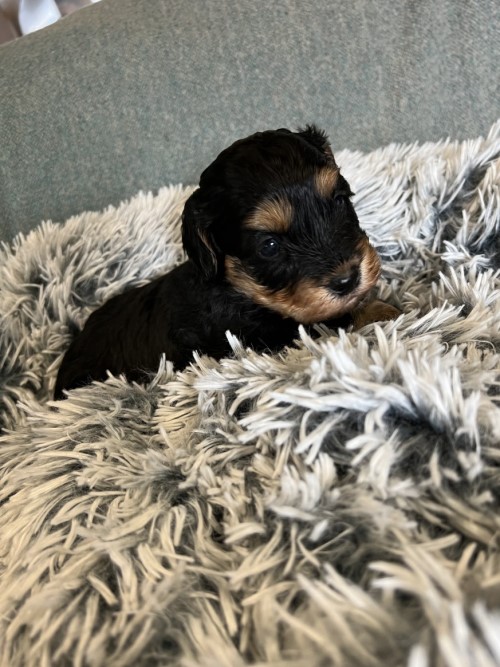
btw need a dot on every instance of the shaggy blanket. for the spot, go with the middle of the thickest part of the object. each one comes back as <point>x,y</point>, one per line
<point>336,504</point>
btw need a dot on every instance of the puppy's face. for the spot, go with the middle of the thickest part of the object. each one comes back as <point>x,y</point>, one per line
<point>273,218</point>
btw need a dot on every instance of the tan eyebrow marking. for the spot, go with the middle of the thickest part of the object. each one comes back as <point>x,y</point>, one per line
<point>272,215</point>
<point>325,180</point>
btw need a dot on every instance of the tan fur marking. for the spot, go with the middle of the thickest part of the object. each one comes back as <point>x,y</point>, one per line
<point>305,302</point>
<point>272,215</point>
<point>370,266</point>
<point>325,181</point>
<point>375,311</point>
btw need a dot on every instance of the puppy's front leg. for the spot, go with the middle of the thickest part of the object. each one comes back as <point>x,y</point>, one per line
<point>374,311</point>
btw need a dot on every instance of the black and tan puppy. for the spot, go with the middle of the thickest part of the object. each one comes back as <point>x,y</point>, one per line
<point>272,239</point>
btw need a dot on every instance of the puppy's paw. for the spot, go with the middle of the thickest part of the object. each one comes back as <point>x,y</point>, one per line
<point>375,311</point>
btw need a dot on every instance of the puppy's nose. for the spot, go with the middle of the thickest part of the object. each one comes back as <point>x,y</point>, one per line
<point>345,282</point>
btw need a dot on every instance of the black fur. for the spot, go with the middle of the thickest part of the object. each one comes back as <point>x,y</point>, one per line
<point>191,307</point>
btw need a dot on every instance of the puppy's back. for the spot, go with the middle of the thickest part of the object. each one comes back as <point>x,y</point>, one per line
<point>126,335</point>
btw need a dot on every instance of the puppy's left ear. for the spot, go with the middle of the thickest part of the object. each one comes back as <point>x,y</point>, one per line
<point>317,138</point>
<point>197,236</point>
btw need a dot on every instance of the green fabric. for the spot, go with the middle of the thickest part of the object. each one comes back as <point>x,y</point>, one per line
<point>135,94</point>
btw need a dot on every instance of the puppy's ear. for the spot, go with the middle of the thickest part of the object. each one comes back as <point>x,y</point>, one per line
<point>317,138</point>
<point>197,236</point>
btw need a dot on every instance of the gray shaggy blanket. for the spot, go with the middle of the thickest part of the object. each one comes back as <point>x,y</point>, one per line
<point>336,504</point>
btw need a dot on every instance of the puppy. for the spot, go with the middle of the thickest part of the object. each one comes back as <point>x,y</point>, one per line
<point>272,240</point>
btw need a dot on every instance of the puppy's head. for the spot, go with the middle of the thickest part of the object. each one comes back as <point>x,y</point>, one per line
<point>273,218</point>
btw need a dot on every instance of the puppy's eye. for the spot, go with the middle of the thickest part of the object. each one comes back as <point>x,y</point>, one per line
<point>269,248</point>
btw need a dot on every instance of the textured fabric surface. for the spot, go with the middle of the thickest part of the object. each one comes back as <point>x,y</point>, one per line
<point>337,504</point>
<point>136,94</point>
